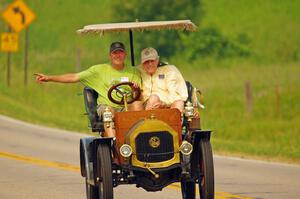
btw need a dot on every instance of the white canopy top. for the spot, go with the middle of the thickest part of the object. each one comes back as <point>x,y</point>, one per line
<point>186,25</point>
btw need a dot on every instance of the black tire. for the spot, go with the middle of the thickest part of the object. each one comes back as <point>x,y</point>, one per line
<point>188,190</point>
<point>205,168</point>
<point>104,172</point>
<point>202,170</point>
<point>92,192</point>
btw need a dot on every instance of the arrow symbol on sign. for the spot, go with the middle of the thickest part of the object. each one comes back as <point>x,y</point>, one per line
<point>17,10</point>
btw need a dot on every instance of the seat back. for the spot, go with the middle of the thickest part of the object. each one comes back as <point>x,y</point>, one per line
<point>195,124</point>
<point>90,102</point>
<point>189,87</point>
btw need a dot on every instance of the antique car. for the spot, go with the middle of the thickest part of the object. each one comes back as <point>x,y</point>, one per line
<point>152,148</point>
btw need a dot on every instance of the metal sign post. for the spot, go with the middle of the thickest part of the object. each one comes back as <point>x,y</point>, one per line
<point>26,57</point>
<point>8,65</point>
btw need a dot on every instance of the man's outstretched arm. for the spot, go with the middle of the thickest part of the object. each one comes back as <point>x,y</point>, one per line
<point>66,78</point>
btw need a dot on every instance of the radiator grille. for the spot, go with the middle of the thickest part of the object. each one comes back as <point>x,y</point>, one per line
<point>146,153</point>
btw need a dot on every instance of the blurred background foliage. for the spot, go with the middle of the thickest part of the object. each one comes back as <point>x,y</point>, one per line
<point>206,42</point>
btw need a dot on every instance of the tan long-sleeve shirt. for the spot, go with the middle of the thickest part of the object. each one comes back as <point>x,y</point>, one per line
<point>167,83</point>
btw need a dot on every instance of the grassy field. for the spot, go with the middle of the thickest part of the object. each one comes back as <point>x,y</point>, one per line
<point>271,25</point>
<point>272,129</point>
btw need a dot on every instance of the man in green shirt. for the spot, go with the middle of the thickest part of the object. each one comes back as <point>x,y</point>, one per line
<point>101,77</point>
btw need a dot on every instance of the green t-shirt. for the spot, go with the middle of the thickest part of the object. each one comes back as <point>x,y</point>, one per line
<point>102,76</point>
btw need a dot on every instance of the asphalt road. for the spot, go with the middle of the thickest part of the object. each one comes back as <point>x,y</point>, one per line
<point>43,163</point>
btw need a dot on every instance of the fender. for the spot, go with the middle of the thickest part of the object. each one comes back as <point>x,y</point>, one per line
<point>201,135</point>
<point>88,156</point>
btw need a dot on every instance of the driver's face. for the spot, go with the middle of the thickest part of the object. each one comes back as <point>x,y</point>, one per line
<point>150,66</point>
<point>118,57</point>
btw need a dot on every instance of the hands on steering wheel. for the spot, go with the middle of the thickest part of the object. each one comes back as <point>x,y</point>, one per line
<point>120,92</point>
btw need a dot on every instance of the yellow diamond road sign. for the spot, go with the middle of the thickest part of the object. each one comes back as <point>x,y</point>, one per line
<point>9,42</point>
<point>18,15</point>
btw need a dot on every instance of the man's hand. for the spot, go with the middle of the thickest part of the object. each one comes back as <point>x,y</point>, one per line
<point>196,113</point>
<point>40,78</point>
<point>135,85</point>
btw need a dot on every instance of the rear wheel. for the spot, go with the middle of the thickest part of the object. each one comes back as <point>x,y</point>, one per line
<point>105,172</point>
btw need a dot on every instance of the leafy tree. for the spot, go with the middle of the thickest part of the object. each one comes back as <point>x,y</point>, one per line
<point>210,42</point>
<point>166,42</point>
<point>206,42</point>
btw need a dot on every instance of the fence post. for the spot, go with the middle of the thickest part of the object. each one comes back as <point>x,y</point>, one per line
<point>277,103</point>
<point>248,98</point>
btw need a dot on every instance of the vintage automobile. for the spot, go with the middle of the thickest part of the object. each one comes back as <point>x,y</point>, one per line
<point>152,148</point>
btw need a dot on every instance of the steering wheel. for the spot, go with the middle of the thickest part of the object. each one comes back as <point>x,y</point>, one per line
<point>117,93</point>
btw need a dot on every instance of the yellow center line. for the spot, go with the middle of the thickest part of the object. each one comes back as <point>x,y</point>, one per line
<point>69,167</point>
<point>46,163</point>
<point>218,194</point>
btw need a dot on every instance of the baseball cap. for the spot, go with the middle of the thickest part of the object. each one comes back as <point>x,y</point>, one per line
<point>116,46</point>
<point>149,54</point>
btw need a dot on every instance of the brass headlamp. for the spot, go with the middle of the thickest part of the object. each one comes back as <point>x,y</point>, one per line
<point>189,111</point>
<point>107,117</point>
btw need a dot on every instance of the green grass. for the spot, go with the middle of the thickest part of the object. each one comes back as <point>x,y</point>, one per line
<point>271,131</point>
<point>272,26</point>
<point>56,106</point>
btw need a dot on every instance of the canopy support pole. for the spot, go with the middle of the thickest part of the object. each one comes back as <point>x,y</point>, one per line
<point>131,47</point>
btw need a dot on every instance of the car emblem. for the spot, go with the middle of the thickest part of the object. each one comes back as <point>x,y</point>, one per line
<point>154,142</point>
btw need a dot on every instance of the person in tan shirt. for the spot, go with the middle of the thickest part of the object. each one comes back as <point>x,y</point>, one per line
<point>163,84</point>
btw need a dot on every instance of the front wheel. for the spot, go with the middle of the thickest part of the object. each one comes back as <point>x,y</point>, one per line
<point>92,192</point>
<point>104,172</point>
<point>205,167</point>
<point>188,190</point>
<point>202,171</point>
